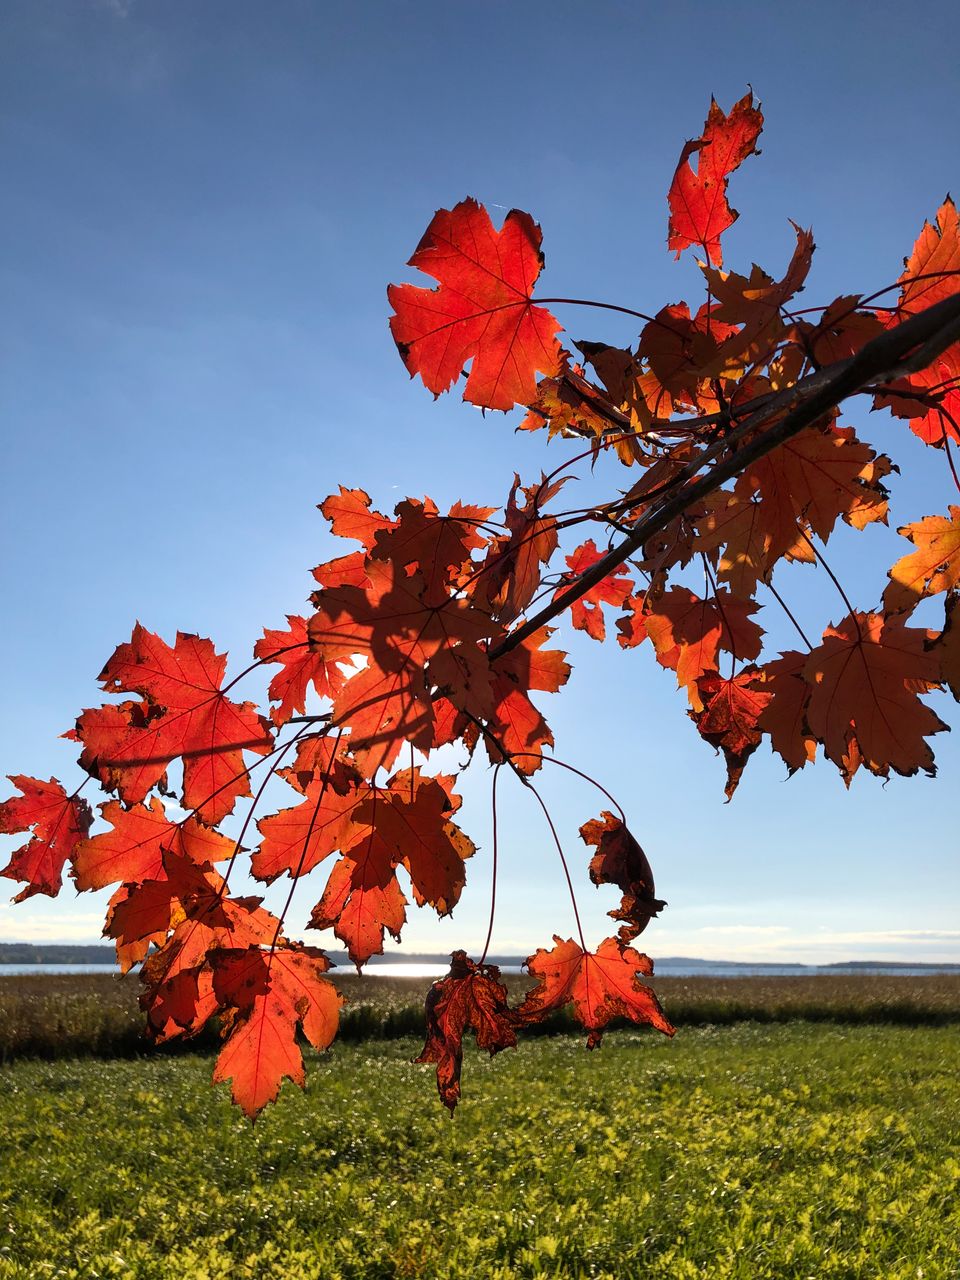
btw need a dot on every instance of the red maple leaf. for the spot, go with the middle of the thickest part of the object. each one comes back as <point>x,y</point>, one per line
<point>133,850</point>
<point>403,824</point>
<point>301,667</point>
<point>936,260</point>
<point>482,310</point>
<point>699,212</point>
<point>59,823</point>
<point>586,613</point>
<point>270,994</point>
<point>470,998</point>
<point>129,746</point>
<point>729,718</point>
<point>602,985</point>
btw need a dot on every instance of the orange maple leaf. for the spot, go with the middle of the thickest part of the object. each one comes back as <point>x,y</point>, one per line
<point>602,985</point>
<point>351,516</point>
<point>301,667</point>
<point>511,575</point>
<point>699,212</point>
<point>819,476</point>
<point>190,898</point>
<point>440,547</point>
<point>840,332</point>
<point>517,726</point>
<point>936,258</point>
<point>949,645</point>
<point>932,568</point>
<point>403,824</point>
<point>688,632</point>
<point>754,303</point>
<point>297,839</point>
<point>387,702</point>
<point>133,850</point>
<point>864,705</point>
<point>740,528</point>
<point>677,347</point>
<point>482,310</point>
<point>785,716</point>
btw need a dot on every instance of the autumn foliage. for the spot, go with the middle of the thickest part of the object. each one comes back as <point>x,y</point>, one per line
<point>437,627</point>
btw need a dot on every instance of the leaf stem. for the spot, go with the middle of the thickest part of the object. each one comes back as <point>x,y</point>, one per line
<point>563,861</point>
<point>493,886</point>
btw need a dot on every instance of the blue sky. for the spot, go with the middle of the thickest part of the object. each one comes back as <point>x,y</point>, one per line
<point>204,204</point>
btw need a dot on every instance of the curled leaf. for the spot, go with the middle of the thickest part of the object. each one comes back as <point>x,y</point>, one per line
<point>470,998</point>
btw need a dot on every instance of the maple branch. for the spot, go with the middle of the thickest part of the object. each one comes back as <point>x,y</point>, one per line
<point>929,333</point>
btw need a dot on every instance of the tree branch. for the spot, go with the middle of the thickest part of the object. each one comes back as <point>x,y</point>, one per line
<point>910,346</point>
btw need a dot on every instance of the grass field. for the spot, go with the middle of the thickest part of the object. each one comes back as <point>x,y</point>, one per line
<point>753,1151</point>
<point>55,1015</point>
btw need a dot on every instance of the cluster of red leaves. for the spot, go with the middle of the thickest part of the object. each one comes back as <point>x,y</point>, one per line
<point>433,631</point>
<point>601,985</point>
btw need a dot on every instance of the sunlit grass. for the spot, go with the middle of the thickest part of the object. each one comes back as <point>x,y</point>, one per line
<point>751,1152</point>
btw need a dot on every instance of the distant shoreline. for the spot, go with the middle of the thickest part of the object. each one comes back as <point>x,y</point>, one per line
<point>66,953</point>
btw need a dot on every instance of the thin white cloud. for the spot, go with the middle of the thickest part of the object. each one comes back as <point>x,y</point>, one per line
<point>762,930</point>
<point>119,8</point>
<point>81,927</point>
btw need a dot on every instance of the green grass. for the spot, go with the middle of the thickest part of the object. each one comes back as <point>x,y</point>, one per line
<point>756,1151</point>
<point>54,1015</point>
